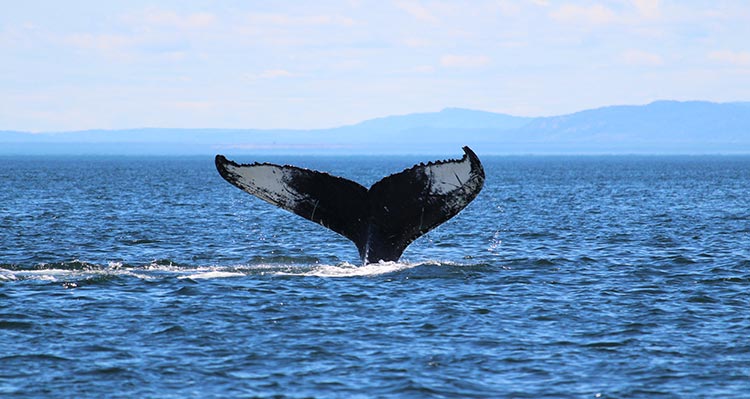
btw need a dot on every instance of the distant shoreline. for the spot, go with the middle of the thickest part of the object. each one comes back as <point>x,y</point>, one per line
<point>659,128</point>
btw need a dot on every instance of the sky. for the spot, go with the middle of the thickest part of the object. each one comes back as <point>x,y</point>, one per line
<point>74,65</point>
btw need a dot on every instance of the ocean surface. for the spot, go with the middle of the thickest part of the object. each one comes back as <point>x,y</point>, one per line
<point>567,277</point>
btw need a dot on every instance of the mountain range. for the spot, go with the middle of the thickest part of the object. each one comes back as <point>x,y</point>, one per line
<point>661,127</point>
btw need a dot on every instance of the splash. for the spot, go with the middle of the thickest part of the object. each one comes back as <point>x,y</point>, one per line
<point>212,274</point>
<point>349,270</point>
<point>64,273</point>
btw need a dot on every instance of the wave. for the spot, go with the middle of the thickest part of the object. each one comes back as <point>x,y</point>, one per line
<point>350,270</point>
<point>79,271</point>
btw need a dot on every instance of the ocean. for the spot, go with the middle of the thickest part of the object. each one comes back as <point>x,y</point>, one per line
<point>567,277</point>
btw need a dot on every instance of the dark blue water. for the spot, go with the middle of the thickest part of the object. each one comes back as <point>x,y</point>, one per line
<point>569,277</point>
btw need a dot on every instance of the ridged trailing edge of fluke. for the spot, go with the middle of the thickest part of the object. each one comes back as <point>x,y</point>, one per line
<point>382,220</point>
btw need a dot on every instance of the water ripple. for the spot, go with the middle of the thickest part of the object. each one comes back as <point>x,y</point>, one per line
<point>568,277</point>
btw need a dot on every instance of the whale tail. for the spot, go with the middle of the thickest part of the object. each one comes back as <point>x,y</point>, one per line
<point>382,220</point>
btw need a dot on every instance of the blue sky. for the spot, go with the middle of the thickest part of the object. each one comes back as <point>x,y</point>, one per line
<point>69,65</point>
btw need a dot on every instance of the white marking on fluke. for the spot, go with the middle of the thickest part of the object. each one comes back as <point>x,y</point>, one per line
<point>446,177</point>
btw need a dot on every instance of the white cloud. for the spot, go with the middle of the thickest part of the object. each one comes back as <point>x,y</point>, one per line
<point>642,58</point>
<point>104,43</point>
<point>464,61</point>
<point>395,55</point>
<point>271,74</point>
<point>150,32</point>
<point>509,8</point>
<point>26,35</point>
<point>168,18</point>
<point>423,69</point>
<point>275,73</point>
<point>281,19</point>
<point>418,11</point>
<point>130,47</point>
<point>193,105</point>
<point>290,30</point>
<point>647,8</point>
<point>416,42</point>
<point>596,14</point>
<point>348,64</point>
<point>735,58</point>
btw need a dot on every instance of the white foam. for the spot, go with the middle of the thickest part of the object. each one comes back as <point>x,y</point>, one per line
<point>48,272</point>
<point>155,272</point>
<point>132,274</point>
<point>38,275</point>
<point>212,274</point>
<point>7,275</point>
<point>349,270</point>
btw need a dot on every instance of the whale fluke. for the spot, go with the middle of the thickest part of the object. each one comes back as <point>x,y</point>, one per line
<point>381,221</point>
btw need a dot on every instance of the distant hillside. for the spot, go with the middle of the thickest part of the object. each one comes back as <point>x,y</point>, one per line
<point>448,118</point>
<point>662,127</point>
<point>668,119</point>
